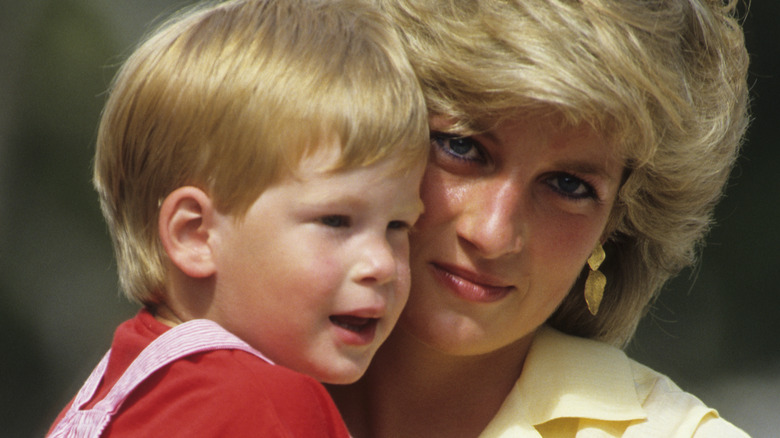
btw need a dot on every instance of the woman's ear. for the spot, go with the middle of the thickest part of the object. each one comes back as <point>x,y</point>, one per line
<point>185,223</point>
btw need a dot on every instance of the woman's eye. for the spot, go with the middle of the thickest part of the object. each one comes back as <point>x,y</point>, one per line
<point>335,221</point>
<point>462,148</point>
<point>571,186</point>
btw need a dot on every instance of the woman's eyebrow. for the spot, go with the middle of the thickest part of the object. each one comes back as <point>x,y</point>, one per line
<point>589,168</point>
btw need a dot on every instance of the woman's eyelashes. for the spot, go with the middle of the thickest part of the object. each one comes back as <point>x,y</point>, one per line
<point>460,148</point>
<point>571,187</point>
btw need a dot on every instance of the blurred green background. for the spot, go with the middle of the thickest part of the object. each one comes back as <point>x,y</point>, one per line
<point>714,330</point>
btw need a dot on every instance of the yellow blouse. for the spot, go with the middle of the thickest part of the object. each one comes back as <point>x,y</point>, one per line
<point>574,387</point>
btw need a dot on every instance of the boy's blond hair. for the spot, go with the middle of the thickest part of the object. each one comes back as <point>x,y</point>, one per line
<point>229,97</point>
<point>664,81</point>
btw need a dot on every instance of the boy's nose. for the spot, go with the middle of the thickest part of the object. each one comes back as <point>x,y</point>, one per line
<point>377,264</point>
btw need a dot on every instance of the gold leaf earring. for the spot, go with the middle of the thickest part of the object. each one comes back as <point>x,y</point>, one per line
<point>596,281</point>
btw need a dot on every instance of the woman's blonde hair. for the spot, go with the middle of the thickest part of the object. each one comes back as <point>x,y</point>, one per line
<point>664,81</point>
<point>229,97</point>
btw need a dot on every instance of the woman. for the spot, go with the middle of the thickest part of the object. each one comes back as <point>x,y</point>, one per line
<point>559,129</point>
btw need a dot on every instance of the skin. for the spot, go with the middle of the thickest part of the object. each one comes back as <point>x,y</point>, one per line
<point>511,216</point>
<point>315,274</point>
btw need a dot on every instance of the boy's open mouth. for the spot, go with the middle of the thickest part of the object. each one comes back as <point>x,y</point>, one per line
<point>353,323</point>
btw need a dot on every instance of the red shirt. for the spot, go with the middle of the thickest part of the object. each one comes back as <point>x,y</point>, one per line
<point>218,393</point>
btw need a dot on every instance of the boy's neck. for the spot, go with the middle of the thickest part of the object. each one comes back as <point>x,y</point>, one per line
<point>411,390</point>
<point>165,315</point>
<point>184,298</point>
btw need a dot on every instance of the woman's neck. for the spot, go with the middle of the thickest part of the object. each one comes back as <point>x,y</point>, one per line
<point>412,391</point>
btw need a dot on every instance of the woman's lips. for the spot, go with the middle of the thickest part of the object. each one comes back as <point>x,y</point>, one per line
<point>470,286</point>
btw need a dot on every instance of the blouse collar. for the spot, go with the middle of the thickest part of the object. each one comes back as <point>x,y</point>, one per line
<point>568,377</point>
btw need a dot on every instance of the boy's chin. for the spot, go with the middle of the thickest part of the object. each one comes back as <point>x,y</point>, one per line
<point>345,375</point>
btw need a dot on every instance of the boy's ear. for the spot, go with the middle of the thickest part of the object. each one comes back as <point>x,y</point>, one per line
<point>186,218</point>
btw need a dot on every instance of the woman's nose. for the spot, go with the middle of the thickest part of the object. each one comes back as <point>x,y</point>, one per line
<point>377,263</point>
<point>491,219</point>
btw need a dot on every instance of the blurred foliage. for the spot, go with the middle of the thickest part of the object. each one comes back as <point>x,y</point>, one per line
<point>51,220</point>
<point>23,377</point>
<point>61,94</point>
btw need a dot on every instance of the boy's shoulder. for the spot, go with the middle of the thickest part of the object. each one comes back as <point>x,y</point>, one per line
<point>246,377</point>
<point>228,392</point>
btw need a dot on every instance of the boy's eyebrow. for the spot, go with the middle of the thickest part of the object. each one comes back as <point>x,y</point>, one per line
<point>326,198</point>
<point>354,201</point>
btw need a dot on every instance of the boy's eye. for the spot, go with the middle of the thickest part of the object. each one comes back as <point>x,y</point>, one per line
<point>398,225</point>
<point>571,186</point>
<point>335,221</point>
<point>463,148</point>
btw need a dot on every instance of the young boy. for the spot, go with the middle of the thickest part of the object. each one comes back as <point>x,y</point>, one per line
<point>258,164</point>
